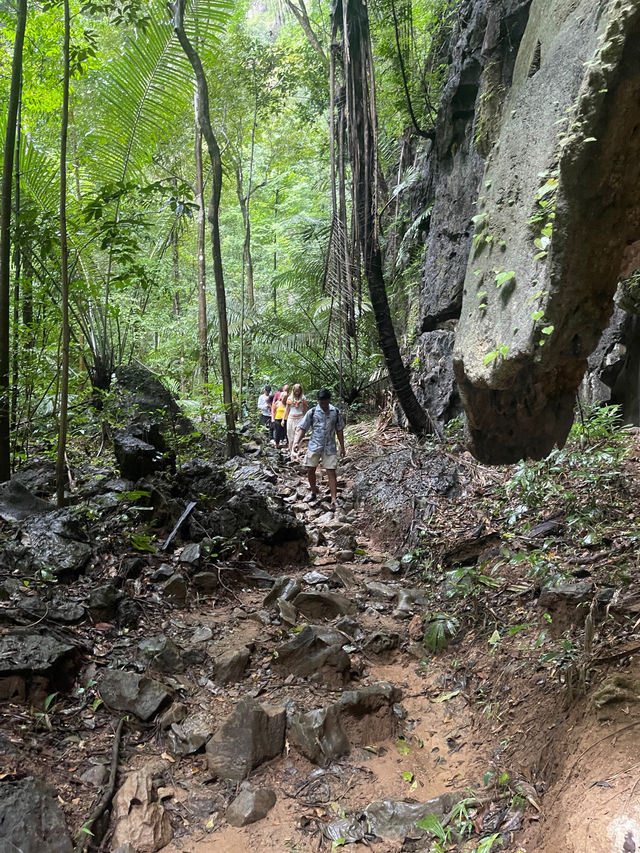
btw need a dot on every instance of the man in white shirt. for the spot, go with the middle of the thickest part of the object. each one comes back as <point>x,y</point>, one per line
<point>326,422</point>
<point>264,406</point>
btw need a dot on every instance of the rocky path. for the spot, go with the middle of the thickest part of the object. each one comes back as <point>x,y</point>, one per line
<point>371,728</point>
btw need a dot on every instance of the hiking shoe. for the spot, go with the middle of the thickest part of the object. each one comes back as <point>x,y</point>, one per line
<point>311,498</point>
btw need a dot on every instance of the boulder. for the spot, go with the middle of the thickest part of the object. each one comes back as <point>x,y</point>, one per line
<point>324,605</point>
<point>162,654</point>
<point>132,693</point>
<point>55,542</point>
<point>251,734</point>
<point>136,457</point>
<point>31,820</point>
<point>103,602</point>
<point>251,805</point>
<point>315,650</point>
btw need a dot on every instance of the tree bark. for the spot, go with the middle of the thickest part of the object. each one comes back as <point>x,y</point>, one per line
<point>351,18</point>
<point>303,19</point>
<point>17,269</point>
<point>64,267</point>
<point>5,240</point>
<point>233,443</point>
<point>202,266</point>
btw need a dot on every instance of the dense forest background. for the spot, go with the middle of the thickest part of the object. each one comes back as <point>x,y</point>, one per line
<point>132,161</point>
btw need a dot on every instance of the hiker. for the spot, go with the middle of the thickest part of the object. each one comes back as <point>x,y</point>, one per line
<point>326,422</point>
<point>279,437</point>
<point>295,411</point>
<point>264,406</point>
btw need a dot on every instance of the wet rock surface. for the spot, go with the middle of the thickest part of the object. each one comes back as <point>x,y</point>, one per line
<point>30,818</point>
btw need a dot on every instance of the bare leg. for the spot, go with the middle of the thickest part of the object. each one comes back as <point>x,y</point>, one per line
<point>333,484</point>
<point>311,476</point>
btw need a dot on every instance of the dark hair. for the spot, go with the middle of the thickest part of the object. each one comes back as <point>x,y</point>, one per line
<point>267,389</point>
<point>324,394</point>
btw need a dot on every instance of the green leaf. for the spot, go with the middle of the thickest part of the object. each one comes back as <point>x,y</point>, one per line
<point>547,330</point>
<point>402,746</point>
<point>430,823</point>
<point>537,315</point>
<point>505,277</point>
<point>489,357</point>
<point>407,776</point>
<point>444,697</point>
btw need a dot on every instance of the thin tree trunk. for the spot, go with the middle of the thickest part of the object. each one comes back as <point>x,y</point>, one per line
<point>17,258</point>
<point>351,18</point>
<point>275,252</point>
<point>5,239</point>
<point>233,444</point>
<point>64,268</point>
<point>202,266</point>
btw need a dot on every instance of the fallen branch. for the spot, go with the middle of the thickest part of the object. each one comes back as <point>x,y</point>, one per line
<point>107,795</point>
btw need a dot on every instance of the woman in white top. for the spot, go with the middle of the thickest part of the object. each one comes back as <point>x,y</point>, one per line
<point>296,408</point>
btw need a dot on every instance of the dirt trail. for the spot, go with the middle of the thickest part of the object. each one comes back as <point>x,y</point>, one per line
<point>434,749</point>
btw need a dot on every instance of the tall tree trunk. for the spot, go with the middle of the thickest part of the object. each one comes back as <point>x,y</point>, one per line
<point>17,259</point>
<point>350,17</point>
<point>202,266</point>
<point>64,267</point>
<point>5,240</point>
<point>233,444</point>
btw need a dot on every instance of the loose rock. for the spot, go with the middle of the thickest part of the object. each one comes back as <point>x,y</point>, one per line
<point>126,691</point>
<point>252,734</point>
<point>250,806</point>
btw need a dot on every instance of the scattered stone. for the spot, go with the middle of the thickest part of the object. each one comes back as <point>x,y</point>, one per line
<point>318,735</point>
<point>397,820</point>
<point>127,691</point>
<point>175,713</point>
<point>287,612</point>
<point>140,820</point>
<point>162,654</point>
<point>190,553</point>
<point>30,818</point>
<point>129,613</point>
<point>342,576</point>
<point>323,605</point>
<point>202,634</point>
<point>566,604</point>
<point>349,626</point>
<point>380,642</point>
<point>135,457</point>
<point>393,567</point>
<point>284,587</point>
<point>315,650</point>
<point>381,590</point>
<point>96,775</point>
<point>162,573</point>
<point>250,806</point>
<point>230,666</point>
<point>56,542</point>
<point>206,582</point>
<point>345,556</point>
<point>175,589</point>
<point>408,599</point>
<point>188,736</point>
<point>314,577</point>
<point>103,602</point>
<point>252,734</point>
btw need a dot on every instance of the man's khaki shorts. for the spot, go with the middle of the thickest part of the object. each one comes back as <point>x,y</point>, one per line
<point>329,461</point>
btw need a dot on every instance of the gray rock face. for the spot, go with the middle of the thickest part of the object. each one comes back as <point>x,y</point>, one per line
<point>315,650</point>
<point>251,805</point>
<point>318,735</point>
<point>324,605</point>
<point>434,381</point>
<point>103,602</point>
<point>560,211</point>
<point>30,819</point>
<point>206,582</point>
<point>175,589</point>
<point>127,691</point>
<point>252,734</point>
